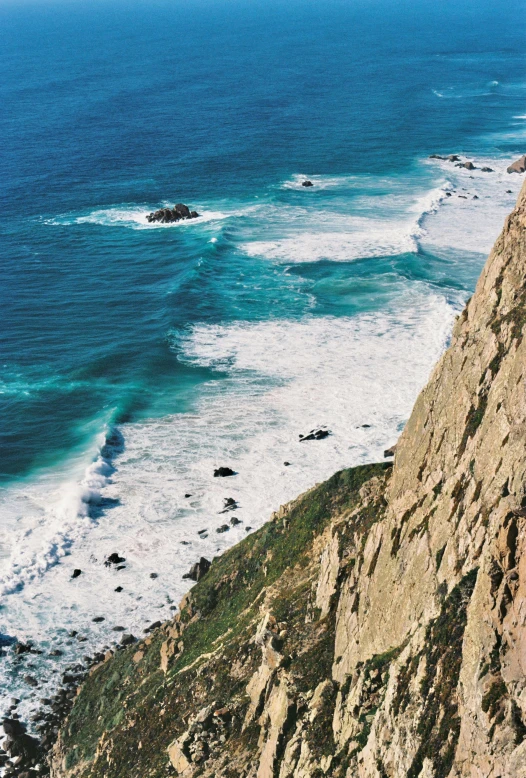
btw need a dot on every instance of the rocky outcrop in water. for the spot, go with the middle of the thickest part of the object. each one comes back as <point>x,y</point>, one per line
<point>175,214</point>
<point>198,570</point>
<point>519,166</point>
<point>375,627</point>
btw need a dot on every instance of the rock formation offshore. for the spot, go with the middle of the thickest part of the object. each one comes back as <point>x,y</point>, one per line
<point>373,628</point>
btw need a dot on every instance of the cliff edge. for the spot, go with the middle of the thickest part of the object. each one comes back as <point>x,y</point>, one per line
<point>376,627</point>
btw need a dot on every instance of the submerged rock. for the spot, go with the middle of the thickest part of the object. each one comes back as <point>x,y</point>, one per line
<point>177,213</point>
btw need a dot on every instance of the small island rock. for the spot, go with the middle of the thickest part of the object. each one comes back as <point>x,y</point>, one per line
<point>167,215</point>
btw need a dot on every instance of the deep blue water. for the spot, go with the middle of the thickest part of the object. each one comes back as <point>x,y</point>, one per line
<point>211,103</point>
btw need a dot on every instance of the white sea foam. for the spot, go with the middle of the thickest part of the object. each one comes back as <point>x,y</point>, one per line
<point>135,217</point>
<point>320,182</point>
<point>392,226</point>
<point>468,224</point>
<point>37,547</point>
<point>284,378</point>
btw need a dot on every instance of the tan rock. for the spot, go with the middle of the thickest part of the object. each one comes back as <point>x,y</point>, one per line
<point>178,759</point>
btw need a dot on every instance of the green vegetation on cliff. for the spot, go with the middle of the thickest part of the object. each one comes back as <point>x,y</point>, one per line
<point>126,698</point>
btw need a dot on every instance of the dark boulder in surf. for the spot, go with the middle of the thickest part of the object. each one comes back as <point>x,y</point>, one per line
<point>229,504</point>
<point>23,648</point>
<point>307,183</point>
<point>315,434</point>
<point>114,559</point>
<point>487,169</point>
<point>223,472</point>
<point>198,570</point>
<point>152,627</point>
<point>390,452</point>
<point>167,215</point>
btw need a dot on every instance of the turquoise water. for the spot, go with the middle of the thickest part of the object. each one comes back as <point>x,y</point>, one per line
<point>220,340</point>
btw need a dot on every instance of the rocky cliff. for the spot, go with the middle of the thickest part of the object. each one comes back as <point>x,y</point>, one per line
<point>373,628</point>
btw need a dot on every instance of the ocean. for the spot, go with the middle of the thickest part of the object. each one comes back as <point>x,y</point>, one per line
<point>137,358</point>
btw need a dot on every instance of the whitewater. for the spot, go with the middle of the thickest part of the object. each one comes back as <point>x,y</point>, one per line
<point>146,489</point>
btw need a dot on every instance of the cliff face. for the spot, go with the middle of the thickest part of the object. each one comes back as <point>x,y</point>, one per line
<point>377,626</point>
